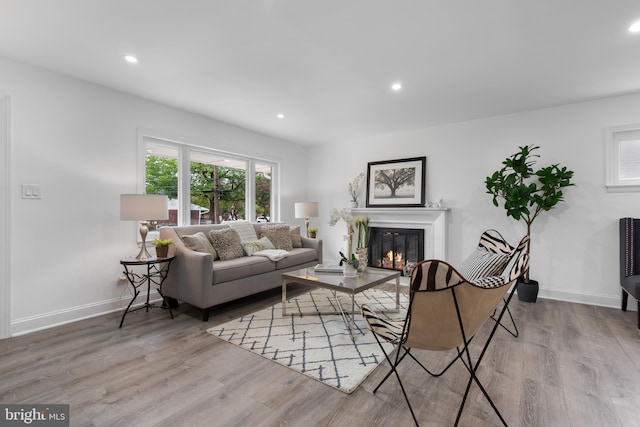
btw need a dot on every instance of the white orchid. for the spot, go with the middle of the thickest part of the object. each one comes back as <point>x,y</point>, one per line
<point>336,215</point>
<point>354,187</point>
<point>344,214</point>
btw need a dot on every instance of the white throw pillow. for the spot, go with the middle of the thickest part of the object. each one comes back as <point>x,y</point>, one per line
<point>254,246</point>
<point>482,263</point>
<point>245,230</point>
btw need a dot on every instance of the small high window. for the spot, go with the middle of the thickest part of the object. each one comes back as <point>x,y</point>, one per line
<point>623,158</point>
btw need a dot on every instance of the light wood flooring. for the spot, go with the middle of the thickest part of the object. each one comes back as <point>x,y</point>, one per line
<point>572,365</point>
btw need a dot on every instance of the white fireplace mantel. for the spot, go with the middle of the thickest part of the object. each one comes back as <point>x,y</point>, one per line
<point>432,220</point>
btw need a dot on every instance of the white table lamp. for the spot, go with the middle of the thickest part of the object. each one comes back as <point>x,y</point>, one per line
<point>144,207</point>
<point>306,210</point>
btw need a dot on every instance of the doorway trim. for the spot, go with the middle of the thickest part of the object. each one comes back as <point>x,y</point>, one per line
<point>5,216</point>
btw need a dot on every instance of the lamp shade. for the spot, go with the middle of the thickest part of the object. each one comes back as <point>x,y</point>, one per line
<point>144,207</point>
<point>306,209</point>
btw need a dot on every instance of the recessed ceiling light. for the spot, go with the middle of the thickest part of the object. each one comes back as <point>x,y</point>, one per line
<point>280,116</point>
<point>635,27</point>
<point>130,58</point>
<point>396,86</point>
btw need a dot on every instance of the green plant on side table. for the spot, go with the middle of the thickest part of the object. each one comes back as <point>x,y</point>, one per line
<point>162,246</point>
<point>527,193</point>
<point>312,232</point>
<point>349,265</point>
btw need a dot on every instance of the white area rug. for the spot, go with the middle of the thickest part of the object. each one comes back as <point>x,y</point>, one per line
<point>318,346</point>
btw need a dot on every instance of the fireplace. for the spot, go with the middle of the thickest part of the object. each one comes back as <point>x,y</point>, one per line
<point>395,248</point>
<point>431,221</point>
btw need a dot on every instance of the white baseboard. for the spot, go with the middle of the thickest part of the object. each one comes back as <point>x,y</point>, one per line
<point>583,298</point>
<point>56,318</point>
<point>48,320</point>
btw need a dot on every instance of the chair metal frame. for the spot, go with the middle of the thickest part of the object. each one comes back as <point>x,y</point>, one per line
<point>463,353</point>
<point>492,241</point>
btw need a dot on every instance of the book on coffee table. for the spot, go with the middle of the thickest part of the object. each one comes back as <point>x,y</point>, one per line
<point>328,268</point>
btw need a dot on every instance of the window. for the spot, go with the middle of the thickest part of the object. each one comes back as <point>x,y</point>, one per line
<point>623,158</point>
<point>161,177</point>
<point>263,173</point>
<point>207,186</point>
<point>218,184</point>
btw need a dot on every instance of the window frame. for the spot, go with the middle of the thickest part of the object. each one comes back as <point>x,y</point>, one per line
<point>184,166</point>
<point>613,137</point>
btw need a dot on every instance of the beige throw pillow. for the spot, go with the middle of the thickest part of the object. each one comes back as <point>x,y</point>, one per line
<point>227,244</point>
<point>296,239</point>
<point>278,234</point>
<point>199,242</point>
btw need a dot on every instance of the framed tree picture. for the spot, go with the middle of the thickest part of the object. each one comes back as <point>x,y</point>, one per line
<point>396,183</point>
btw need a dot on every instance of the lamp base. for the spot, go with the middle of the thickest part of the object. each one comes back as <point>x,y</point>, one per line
<point>144,253</point>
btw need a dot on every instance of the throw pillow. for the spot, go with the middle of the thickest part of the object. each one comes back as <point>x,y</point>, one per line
<point>199,243</point>
<point>245,230</point>
<point>482,263</point>
<point>278,234</point>
<point>296,238</point>
<point>262,244</point>
<point>227,244</point>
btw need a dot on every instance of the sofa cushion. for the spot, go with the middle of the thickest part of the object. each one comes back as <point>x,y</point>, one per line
<point>226,243</point>
<point>199,242</point>
<point>278,234</point>
<point>251,247</point>
<point>482,263</point>
<point>296,239</point>
<point>245,230</point>
<point>297,256</point>
<point>239,268</point>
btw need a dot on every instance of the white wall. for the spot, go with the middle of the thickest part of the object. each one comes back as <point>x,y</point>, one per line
<point>78,141</point>
<point>574,251</point>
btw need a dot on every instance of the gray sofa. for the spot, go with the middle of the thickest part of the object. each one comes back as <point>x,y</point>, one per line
<point>195,278</point>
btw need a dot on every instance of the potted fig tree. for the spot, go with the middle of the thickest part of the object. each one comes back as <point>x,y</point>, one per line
<point>526,192</point>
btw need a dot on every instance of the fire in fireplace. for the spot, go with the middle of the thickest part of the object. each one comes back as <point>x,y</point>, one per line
<point>395,248</point>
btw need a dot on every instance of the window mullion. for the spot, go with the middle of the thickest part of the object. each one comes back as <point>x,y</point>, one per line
<point>184,186</point>
<point>250,190</point>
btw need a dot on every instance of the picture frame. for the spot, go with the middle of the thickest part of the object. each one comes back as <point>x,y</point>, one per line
<point>397,183</point>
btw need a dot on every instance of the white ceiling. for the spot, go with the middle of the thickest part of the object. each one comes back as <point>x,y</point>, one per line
<point>328,64</point>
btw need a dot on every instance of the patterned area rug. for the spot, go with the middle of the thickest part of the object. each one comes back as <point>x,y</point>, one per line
<point>318,346</point>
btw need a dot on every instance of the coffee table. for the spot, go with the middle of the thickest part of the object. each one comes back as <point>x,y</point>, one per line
<point>336,282</point>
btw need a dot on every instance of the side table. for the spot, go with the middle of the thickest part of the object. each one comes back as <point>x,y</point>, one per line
<point>157,271</point>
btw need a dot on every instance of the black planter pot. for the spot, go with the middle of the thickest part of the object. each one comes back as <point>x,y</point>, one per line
<point>528,292</point>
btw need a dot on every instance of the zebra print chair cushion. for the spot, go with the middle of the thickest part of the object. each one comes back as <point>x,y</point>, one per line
<point>492,241</point>
<point>389,330</point>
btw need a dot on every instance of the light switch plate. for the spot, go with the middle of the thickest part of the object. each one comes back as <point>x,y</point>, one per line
<point>31,191</point>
